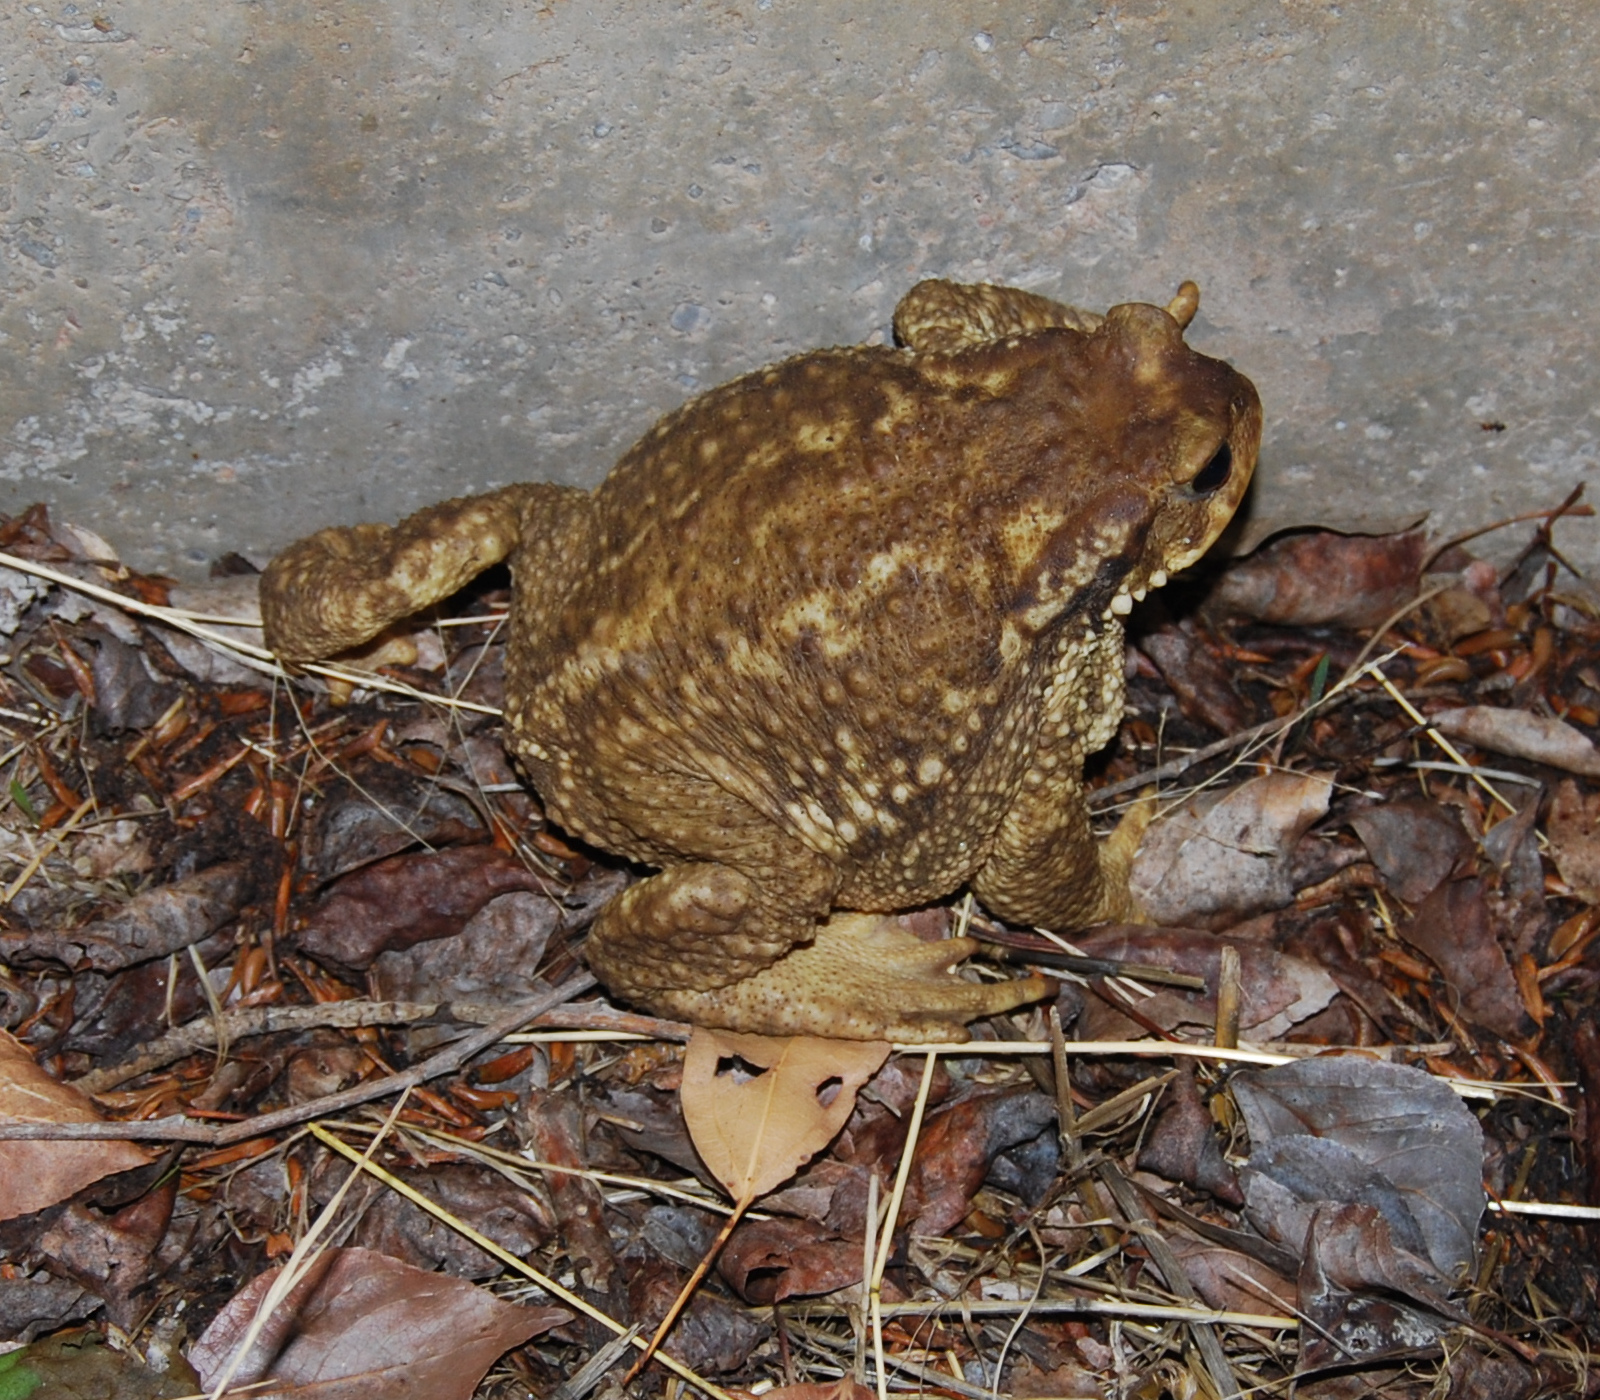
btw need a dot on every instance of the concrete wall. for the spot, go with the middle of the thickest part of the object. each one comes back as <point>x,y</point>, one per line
<point>267,266</point>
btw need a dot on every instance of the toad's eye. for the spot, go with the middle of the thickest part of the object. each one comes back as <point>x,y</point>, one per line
<point>1212,477</point>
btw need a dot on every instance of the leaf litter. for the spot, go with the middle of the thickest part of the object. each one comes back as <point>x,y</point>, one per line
<point>237,918</point>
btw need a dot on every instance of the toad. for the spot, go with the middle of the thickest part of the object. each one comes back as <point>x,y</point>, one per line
<point>833,640</point>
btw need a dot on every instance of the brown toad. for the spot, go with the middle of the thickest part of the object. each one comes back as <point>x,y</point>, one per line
<point>836,636</point>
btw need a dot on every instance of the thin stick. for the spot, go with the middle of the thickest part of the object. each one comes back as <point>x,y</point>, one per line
<point>687,1291</point>
<point>1438,738</point>
<point>257,658</point>
<point>1568,509</point>
<point>50,847</point>
<point>179,1128</point>
<point>1270,729</point>
<point>886,1239</point>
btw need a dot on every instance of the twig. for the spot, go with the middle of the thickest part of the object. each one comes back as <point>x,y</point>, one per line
<point>594,1020</point>
<point>183,1041</point>
<point>1270,729</point>
<point>1568,508</point>
<point>179,1128</point>
<point>886,1237</point>
<point>1175,1276</point>
<point>257,658</point>
<point>50,847</point>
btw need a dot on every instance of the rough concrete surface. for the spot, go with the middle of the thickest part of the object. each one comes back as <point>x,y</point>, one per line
<point>267,266</point>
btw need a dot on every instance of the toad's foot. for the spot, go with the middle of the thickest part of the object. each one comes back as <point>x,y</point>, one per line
<point>861,978</point>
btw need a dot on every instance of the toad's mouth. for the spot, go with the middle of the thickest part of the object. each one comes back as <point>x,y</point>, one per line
<point>1130,592</point>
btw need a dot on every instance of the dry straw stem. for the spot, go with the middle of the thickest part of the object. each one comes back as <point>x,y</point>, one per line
<point>246,653</point>
<point>47,850</point>
<point>549,1285</point>
<point>1100,1307</point>
<point>886,1235</point>
<point>301,1260</point>
<point>1416,717</point>
<point>512,1164</point>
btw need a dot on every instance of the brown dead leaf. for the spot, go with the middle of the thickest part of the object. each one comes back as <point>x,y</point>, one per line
<point>1223,856</point>
<point>1415,842</point>
<point>34,1175</point>
<point>960,1146</point>
<point>1574,834</point>
<point>409,899</point>
<point>756,1130</point>
<point>1342,1128</point>
<point>1199,677</point>
<point>767,1261</point>
<point>494,958</point>
<point>1319,577</point>
<point>1454,928</point>
<point>371,1328</point>
<point>392,809</point>
<point>1227,1279</point>
<point>1183,1146</point>
<point>1521,734</point>
<point>845,1389</point>
<point>150,925</point>
<point>1278,991</point>
<point>112,1256</point>
<point>1363,1292</point>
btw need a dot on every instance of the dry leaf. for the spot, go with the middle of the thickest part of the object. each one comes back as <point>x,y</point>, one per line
<point>1574,833</point>
<point>369,1327</point>
<point>845,1389</point>
<point>758,1107</point>
<point>1521,734</point>
<point>1277,990</point>
<point>1415,842</point>
<point>1347,1129</point>
<point>754,1130</point>
<point>1223,856</point>
<point>1455,928</point>
<point>1320,577</point>
<point>34,1175</point>
<point>151,925</point>
<point>1198,675</point>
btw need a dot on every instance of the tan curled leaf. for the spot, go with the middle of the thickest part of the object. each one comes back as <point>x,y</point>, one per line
<point>755,1130</point>
<point>34,1175</point>
<point>758,1107</point>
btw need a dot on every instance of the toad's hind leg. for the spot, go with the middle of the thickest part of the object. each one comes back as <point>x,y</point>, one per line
<point>342,586</point>
<point>705,943</point>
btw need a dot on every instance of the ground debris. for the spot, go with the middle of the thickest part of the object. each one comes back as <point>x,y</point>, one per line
<point>236,914</point>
